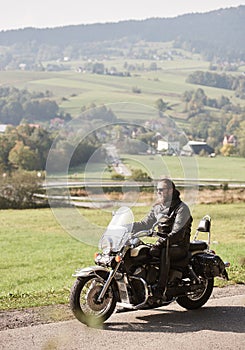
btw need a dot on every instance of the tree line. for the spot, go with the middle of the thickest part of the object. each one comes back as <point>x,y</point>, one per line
<point>212,34</point>
<point>221,81</point>
<point>26,146</point>
<point>18,106</point>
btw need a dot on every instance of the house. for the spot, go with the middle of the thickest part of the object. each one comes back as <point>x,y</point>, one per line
<point>230,139</point>
<point>195,148</point>
<point>168,146</point>
<point>3,128</point>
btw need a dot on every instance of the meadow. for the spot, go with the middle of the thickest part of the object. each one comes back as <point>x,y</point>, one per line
<point>218,168</point>
<point>38,257</point>
<point>72,89</point>
<point>222,169</point>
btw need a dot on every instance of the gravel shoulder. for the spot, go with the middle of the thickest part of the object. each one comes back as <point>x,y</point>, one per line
<point>11,319</point>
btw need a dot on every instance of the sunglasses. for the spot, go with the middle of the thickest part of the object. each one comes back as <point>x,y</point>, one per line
<point>160,190</point>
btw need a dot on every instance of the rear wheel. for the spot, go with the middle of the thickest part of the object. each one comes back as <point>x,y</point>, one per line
<point>84,303</point>
<point>199,297</point>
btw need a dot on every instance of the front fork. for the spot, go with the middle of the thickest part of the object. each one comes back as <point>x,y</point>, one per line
<point>108,282</point>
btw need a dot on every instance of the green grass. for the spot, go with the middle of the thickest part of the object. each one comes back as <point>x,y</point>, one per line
<point>168,82</point>
<point>218,168</point>
<point>38,257</point>
<point>229,168</point>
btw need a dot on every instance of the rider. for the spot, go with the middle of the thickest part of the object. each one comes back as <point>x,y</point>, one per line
<point>175,221</point>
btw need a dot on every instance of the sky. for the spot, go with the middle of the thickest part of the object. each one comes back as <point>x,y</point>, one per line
<point>17,14</point>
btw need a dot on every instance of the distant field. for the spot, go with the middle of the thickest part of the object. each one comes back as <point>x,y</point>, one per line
<point>79,89</point>
<point>38,257</point>
<point>218,168</point>
<point>230,168</point>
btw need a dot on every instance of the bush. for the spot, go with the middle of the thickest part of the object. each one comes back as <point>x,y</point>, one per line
<point>139,175</point>
<point>17,190</point>
<point>116,176</point>
<point>136,90</point>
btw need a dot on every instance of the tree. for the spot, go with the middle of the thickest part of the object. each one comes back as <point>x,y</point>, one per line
<point>241,139</point>
<point>17,190</point>
<point>223,101</point>
<point>186,97</point>
<point>140,175</point>
<point>134,146</point>
<point>40,111</point>
<point>161,105</point>
<point>23,157</point>
<point>227,150</point>
<point>136,90</point>
<point>12,113</point>
<point>25,147</point>
<point>6,144</point>
<point>98,68</point>
<point>82,154</point>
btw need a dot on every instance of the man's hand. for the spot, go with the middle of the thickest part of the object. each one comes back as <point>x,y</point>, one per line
<point>163,235</point>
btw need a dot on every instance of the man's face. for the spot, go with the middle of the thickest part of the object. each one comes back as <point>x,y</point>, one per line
<point>164,193</point>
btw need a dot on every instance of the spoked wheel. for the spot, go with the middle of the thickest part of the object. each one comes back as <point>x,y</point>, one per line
<point>199,297</point>
<point>84,301</point>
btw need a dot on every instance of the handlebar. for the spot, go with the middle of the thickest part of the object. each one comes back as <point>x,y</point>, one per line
<point>150,233</point>
<point>143,233</point>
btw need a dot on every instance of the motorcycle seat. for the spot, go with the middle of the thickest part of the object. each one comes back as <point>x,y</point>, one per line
<point>198,245</point>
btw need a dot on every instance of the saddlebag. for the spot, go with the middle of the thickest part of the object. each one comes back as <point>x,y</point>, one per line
<point>209,265</point>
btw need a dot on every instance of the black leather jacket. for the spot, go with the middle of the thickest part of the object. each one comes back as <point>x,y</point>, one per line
<point>176,219</point>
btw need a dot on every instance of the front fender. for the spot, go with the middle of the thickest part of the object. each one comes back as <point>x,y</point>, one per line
<point>88,271</point>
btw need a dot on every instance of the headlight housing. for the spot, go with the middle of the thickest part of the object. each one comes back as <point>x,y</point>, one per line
<point>106,246</point>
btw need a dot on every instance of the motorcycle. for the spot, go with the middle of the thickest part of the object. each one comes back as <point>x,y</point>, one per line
<point>125,273</point>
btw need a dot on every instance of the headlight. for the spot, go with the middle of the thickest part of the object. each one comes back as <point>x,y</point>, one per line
<point>106,251</point>
<point>105,246</point>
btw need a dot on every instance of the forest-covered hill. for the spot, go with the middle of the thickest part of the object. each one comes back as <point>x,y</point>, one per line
<point>217,33</point>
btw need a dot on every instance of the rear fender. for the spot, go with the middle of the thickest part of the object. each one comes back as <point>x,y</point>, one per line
<point>91,270</point>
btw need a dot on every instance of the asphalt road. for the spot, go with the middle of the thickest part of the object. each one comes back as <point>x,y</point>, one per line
<point>220,324</point>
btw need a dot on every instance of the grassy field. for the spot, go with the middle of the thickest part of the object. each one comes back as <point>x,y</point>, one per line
<point>38,257</point>
<point>72,89</point>
<point>218,168</point>
<point>230,168</point>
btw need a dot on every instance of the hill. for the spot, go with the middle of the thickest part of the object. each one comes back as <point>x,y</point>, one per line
<point>216,33</point>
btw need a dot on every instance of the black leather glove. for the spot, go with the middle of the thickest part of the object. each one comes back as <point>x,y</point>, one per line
<point>157,247</point>
<point>163,235</point>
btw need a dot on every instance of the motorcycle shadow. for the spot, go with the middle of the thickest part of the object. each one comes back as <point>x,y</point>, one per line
<point>217,318</point>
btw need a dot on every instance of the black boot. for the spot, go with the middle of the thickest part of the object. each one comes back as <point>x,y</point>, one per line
<point>157,292</point>
<point>160,289</point>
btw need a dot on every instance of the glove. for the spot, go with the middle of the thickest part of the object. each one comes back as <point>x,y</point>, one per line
<point>163,235</point>
<point>157,247</point>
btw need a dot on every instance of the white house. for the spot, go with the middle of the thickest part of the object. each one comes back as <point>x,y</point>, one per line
<point>166,146</point>
<point>3,128</point>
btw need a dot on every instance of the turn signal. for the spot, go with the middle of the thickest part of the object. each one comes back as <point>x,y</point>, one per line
<point>118,258</point>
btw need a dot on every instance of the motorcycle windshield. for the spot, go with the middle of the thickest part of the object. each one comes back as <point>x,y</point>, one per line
<point>117,231</point>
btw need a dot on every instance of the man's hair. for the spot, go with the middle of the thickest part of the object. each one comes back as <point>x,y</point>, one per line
<point>169,183</point>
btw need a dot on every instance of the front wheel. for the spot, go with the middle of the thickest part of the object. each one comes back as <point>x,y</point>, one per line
<point>198,298</point>
<point>84,303</point>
